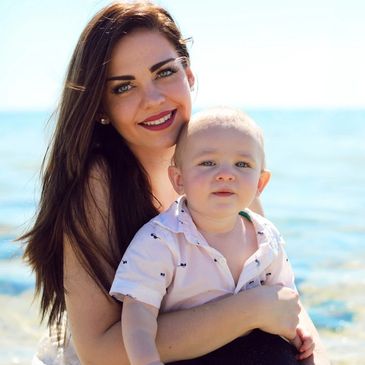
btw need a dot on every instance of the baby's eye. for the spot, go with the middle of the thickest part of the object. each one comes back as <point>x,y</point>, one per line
<point>122,89</point>
<point>242,164</point>
<point>207,163</point>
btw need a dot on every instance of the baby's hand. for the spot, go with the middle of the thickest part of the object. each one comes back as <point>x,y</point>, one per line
<point>304,343</point>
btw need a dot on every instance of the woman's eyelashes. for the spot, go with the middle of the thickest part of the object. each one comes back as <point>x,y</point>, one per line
<point>160,75</point>
<point>122,88</point>
<point>166,72</point>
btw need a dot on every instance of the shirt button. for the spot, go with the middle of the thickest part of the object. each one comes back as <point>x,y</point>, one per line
<point>220,260</point>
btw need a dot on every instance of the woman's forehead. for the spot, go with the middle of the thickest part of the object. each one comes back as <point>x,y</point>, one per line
<point>141,48</point>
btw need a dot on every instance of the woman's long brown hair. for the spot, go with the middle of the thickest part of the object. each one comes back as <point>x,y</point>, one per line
<point>79,143</point>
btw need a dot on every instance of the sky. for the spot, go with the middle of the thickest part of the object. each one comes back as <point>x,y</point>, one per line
<point>252,54</point>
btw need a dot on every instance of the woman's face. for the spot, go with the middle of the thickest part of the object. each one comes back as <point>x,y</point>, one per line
<point>147,95</point>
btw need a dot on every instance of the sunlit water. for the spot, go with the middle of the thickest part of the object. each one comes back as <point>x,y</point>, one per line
<point>316,198</point>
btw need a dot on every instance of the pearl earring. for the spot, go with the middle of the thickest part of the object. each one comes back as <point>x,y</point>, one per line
<point>104,121</point>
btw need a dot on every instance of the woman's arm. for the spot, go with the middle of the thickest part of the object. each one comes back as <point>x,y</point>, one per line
<point>95,320</point>
<point>193,332</point>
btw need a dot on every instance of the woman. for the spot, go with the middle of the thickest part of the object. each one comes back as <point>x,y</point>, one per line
<point>127,93</point>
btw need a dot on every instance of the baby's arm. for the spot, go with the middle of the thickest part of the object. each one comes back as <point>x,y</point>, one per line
<point>303,342</point>
<point>139,327</point>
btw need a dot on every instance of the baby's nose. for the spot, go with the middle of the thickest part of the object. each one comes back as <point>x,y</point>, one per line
<point>225,175</point>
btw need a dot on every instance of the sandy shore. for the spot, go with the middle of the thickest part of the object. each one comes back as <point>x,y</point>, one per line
<point>20,331</point>
<point>345,345</point>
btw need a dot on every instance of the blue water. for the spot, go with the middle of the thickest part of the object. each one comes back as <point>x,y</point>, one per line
<point>316,198</point>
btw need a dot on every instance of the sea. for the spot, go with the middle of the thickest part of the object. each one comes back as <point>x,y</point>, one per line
<point>316,198</point>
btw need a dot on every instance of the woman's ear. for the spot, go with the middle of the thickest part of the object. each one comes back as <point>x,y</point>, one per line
<point>176,179</point>
<point>190,76</point>
<point>263,181</point>
<point>102,118</point>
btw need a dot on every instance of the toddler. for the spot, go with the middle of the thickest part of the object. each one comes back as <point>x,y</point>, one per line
<point>208,243</point>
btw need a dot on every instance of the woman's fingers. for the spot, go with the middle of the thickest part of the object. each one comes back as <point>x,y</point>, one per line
<point>278,310</point>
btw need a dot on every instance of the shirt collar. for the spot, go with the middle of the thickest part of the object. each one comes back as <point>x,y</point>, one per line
<point>177,219</point>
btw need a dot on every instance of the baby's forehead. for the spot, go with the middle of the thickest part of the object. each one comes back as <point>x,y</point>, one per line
<point>213,124</point>
<point>203,125</point>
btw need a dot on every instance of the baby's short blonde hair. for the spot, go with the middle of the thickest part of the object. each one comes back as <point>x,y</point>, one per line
<point>224,117</point>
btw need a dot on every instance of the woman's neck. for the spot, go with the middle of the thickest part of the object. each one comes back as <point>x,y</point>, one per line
<point>156,163</point>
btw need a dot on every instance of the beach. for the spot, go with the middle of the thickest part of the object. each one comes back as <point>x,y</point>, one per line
<point>21,332</point>
<point>20,329</point>
<point>316,198</point>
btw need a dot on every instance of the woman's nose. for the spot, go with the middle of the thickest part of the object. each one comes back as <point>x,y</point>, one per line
<point>153,96</point>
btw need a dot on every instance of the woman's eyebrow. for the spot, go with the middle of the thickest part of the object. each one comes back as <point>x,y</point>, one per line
<point>122,77</point>
<point>153,68</point>
<point>160,64</point>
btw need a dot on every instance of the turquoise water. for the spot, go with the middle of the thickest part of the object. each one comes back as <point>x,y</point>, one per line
<point>316,198</point>
<point>22,145</point>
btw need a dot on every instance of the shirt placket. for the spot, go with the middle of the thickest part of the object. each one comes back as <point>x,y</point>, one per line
<point>256,263</point>
<point>216,257</point>
<point>221,261</point>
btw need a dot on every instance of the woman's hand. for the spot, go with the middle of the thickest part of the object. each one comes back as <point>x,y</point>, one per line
<point>188,333</point>
<point>277,310</point>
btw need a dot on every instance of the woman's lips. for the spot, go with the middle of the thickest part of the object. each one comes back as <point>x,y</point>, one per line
<point>159,121</point>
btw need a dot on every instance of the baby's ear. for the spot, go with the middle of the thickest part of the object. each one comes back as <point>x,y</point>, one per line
<point>176,179</point>
<point>263,181</point>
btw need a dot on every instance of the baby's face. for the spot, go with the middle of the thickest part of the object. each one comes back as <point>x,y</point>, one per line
<point>220,169</point>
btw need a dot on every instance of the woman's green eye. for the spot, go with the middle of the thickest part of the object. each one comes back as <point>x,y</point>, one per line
<point>166,72</point>
<point>121,89</point>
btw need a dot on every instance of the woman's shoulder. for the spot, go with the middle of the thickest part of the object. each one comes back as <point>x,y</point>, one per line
<point>96,199</point>
<point>97,181</point>
<point>98,172</point>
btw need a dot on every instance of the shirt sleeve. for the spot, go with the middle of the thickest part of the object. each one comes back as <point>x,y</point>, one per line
<point>280,270</point>
<point>146,269</point>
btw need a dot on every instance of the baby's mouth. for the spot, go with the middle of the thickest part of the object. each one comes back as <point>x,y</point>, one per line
<point>223,193</point>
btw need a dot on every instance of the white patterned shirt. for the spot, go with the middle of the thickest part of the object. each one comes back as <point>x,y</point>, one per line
<point>171,266</point>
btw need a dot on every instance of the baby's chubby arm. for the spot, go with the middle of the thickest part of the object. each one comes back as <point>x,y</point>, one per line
<point>139,328</point>
<point>303,342</point>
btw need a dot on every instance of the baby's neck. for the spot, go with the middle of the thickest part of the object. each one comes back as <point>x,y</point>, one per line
<point>236,244</point>
<point>223,232</point>
<point>222,229</point>
<point>214,225</point>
